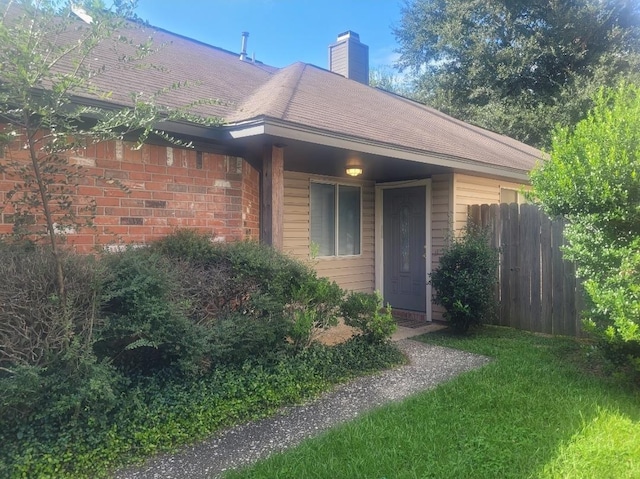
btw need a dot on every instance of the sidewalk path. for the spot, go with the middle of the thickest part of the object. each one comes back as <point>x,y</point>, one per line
<point>429,365</point>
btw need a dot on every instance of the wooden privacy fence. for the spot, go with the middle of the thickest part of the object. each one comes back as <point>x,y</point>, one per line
<point>537,288</point>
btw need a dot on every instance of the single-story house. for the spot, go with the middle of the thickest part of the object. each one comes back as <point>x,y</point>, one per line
<point>362,182</point>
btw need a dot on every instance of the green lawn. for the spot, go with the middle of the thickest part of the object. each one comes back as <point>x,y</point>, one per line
<point>534,412</point>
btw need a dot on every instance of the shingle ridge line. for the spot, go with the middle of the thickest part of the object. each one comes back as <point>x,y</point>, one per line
<point>294,90</point>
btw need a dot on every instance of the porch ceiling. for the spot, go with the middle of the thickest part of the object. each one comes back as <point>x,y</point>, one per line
<point>331,161</point>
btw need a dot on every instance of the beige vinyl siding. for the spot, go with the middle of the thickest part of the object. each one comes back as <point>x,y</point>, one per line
<point>296,215</point>
<point>476,190</point>
<point>441,216</point>
<point>354,273</point>
<point>440,213</point>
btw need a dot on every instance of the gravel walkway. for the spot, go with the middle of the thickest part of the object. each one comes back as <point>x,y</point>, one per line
<point>245,444</point>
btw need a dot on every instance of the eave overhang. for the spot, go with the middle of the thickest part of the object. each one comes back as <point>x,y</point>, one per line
<point>277,129</point>
<point>280,129</point>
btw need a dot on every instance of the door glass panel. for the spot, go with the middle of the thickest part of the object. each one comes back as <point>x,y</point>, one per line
<point>405,253</point>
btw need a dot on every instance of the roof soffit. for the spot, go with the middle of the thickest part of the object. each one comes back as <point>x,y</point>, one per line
<point>281,131</point>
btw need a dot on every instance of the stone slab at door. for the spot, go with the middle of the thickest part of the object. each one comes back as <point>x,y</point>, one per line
<point>404,217</point>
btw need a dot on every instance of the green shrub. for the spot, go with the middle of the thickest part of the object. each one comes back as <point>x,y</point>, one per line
<point>74,387</point>
<point>254,299</point>
<point>366,313</point>
<point>48,372</point>
<point>144,329</point>
<point>267,271</point>
<point>235,314</point>
<point>236,337</point>
<point>593,179</point>
<point>186,244</point>
<point>314,307</point>
<point>465,278</point>
<point>356,357</point>
<point>248,264</point>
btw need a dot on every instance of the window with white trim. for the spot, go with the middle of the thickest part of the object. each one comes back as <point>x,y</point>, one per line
<point>335,219</point>
<point>508,195</point>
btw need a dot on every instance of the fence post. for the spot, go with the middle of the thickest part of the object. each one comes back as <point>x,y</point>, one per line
<point>525,266</point>
<point>474,214</point>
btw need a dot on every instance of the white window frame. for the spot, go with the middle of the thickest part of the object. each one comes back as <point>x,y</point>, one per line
<point>337,185</point>
<point>520,197</point>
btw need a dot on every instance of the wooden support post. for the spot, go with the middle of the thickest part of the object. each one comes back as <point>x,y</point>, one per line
<point>272,201</point>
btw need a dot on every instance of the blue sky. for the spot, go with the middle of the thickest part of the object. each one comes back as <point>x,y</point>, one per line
<point>281,31</point>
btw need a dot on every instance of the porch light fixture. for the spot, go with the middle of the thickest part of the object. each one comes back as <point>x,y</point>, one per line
<point>353,171</point>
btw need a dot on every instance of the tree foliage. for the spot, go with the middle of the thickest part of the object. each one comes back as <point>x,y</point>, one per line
<point>593,178</point>
<point>388,79</point>
<point>514,66</point>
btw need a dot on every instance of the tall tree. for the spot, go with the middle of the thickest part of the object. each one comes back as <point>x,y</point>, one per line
<point>518,66</point>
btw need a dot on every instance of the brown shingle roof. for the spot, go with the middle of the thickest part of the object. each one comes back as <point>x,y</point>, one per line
<point>211,73</point>
<point>304,96</point>
<point>307,95</point>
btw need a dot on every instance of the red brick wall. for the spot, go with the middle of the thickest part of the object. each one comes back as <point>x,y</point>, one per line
<point>169,188</point>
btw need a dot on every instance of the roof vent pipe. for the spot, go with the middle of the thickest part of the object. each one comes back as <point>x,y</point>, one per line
<point>243,52</point>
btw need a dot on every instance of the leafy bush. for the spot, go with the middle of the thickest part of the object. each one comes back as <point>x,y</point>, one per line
<point>38,402</point>
<point>186,244</point>
<point>236,337</point>
<point>366,313</point>
<point>268,272</point>
<point>248,265</point>
<point>593,178</point>
<point>465,278</point>
<point>314,307</point>
<point>255,299</point>
<point>356,357</point>
<point>49,375</point>
<point>144,329</point>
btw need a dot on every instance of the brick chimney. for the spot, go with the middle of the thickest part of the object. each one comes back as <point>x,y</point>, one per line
<point>349,57</point>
